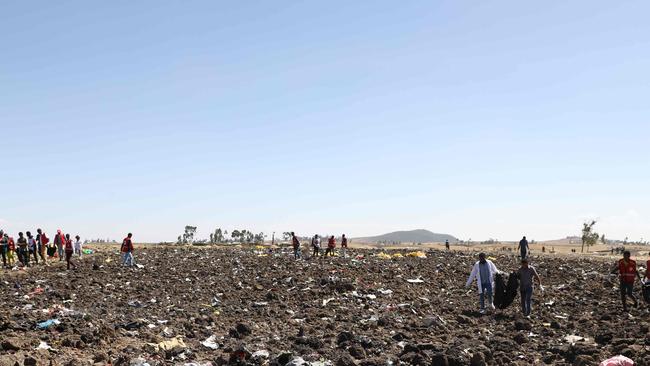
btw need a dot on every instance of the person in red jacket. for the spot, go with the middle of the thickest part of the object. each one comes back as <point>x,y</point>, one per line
<point>627,271</point>
<point>127,251</point>
<point>59,243</point>
<point>11,250</point>
<point>331,244</point>
<point>295,243</point>
<point>69,250</point>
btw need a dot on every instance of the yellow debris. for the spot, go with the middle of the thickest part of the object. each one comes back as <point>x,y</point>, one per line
<point>418,254</point>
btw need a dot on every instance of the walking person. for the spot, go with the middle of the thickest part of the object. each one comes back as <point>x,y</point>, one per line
<point>331,244</point>
<point>23,250</point>
<point>41,242</point>
<point>523,247</point>
<point>526,276</point>
<point>315,243</point>
<point>127,251</point>
<point>59,243</point>
<point>77,246</point>
<point>628,273</point>
<point>33,248</point>
<point>4,247</point>
<point>344,245</point>
<point>296,246</point>
<point>483,271</point>
<point>447,244</point>
<point>69,250</point>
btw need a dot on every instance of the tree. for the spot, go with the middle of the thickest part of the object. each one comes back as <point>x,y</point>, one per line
<point>188,235</point>
<point>211,238</point>
<point>589,236</point>
<point>286,235</point>
<point>603,240</point>
<point>218,236</point>
<point>235,235</point>
<point>259,238</point>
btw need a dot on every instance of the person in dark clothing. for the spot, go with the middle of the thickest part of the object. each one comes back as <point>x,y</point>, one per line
<point>4,247</point>
<point>526,276</point>
<point>447,244</point>
<point>523,247</point>
<point>296,246</point>
<point>23,251</point>
<point>331,244</point>
<point>344,245</point>
<point>69,250</point>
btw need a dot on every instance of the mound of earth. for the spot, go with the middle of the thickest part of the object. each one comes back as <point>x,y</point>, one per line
<point>209,306</point>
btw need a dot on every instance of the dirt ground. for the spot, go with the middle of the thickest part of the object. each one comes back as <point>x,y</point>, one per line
<point>245,306</point>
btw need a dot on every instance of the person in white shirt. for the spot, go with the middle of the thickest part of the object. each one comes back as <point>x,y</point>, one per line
<point>77,246</point>
<point>483,271</point>
<point>315,243</point>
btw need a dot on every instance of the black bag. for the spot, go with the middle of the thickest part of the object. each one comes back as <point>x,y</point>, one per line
<point>505,294</point>
<point>499,290</point>
<point>51,250</point>
<point>511,289</point>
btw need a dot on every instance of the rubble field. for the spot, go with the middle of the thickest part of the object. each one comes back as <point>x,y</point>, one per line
<point>246,306</point>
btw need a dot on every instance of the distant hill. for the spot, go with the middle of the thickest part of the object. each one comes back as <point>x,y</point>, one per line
<point>411,236</point>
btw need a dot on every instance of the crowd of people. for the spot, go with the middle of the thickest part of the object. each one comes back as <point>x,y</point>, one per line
<point>316,246</point>
<point>19,253</point>
<point>28,250</point>
<point>484,272</point>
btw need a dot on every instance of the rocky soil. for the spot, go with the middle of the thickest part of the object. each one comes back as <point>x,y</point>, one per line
<point>211,306</point>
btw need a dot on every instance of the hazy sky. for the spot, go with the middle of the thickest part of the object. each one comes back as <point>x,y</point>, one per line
<point>478,119</point>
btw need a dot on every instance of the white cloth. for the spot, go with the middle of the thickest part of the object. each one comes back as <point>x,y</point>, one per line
<point>476,273</point>
<point>77,245</point>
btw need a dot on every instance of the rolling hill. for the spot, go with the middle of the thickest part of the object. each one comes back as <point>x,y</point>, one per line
<point>411,236</point>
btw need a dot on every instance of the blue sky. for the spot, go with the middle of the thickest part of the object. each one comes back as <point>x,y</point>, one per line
<point>482,120</point>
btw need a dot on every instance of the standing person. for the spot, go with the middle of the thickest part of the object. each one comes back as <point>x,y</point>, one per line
<point>523,247</point>
<point>647,270</point>
<point>627,271</point>
<point>59,242</point>
<point>11,251</point>
<point>23,251</point>
<point>344,245</point>
<point>33,248</point>
<point>331,244</point>
<point>41,241</point>
<point>484,271</point>
<point>77,246</point>
<point>447,244</point>
<point>69,250</point>
<point>296,246</point>
<point>4,247</point>
<point>315,243</point>
<point>526,275</point>
<point>127,251</point>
